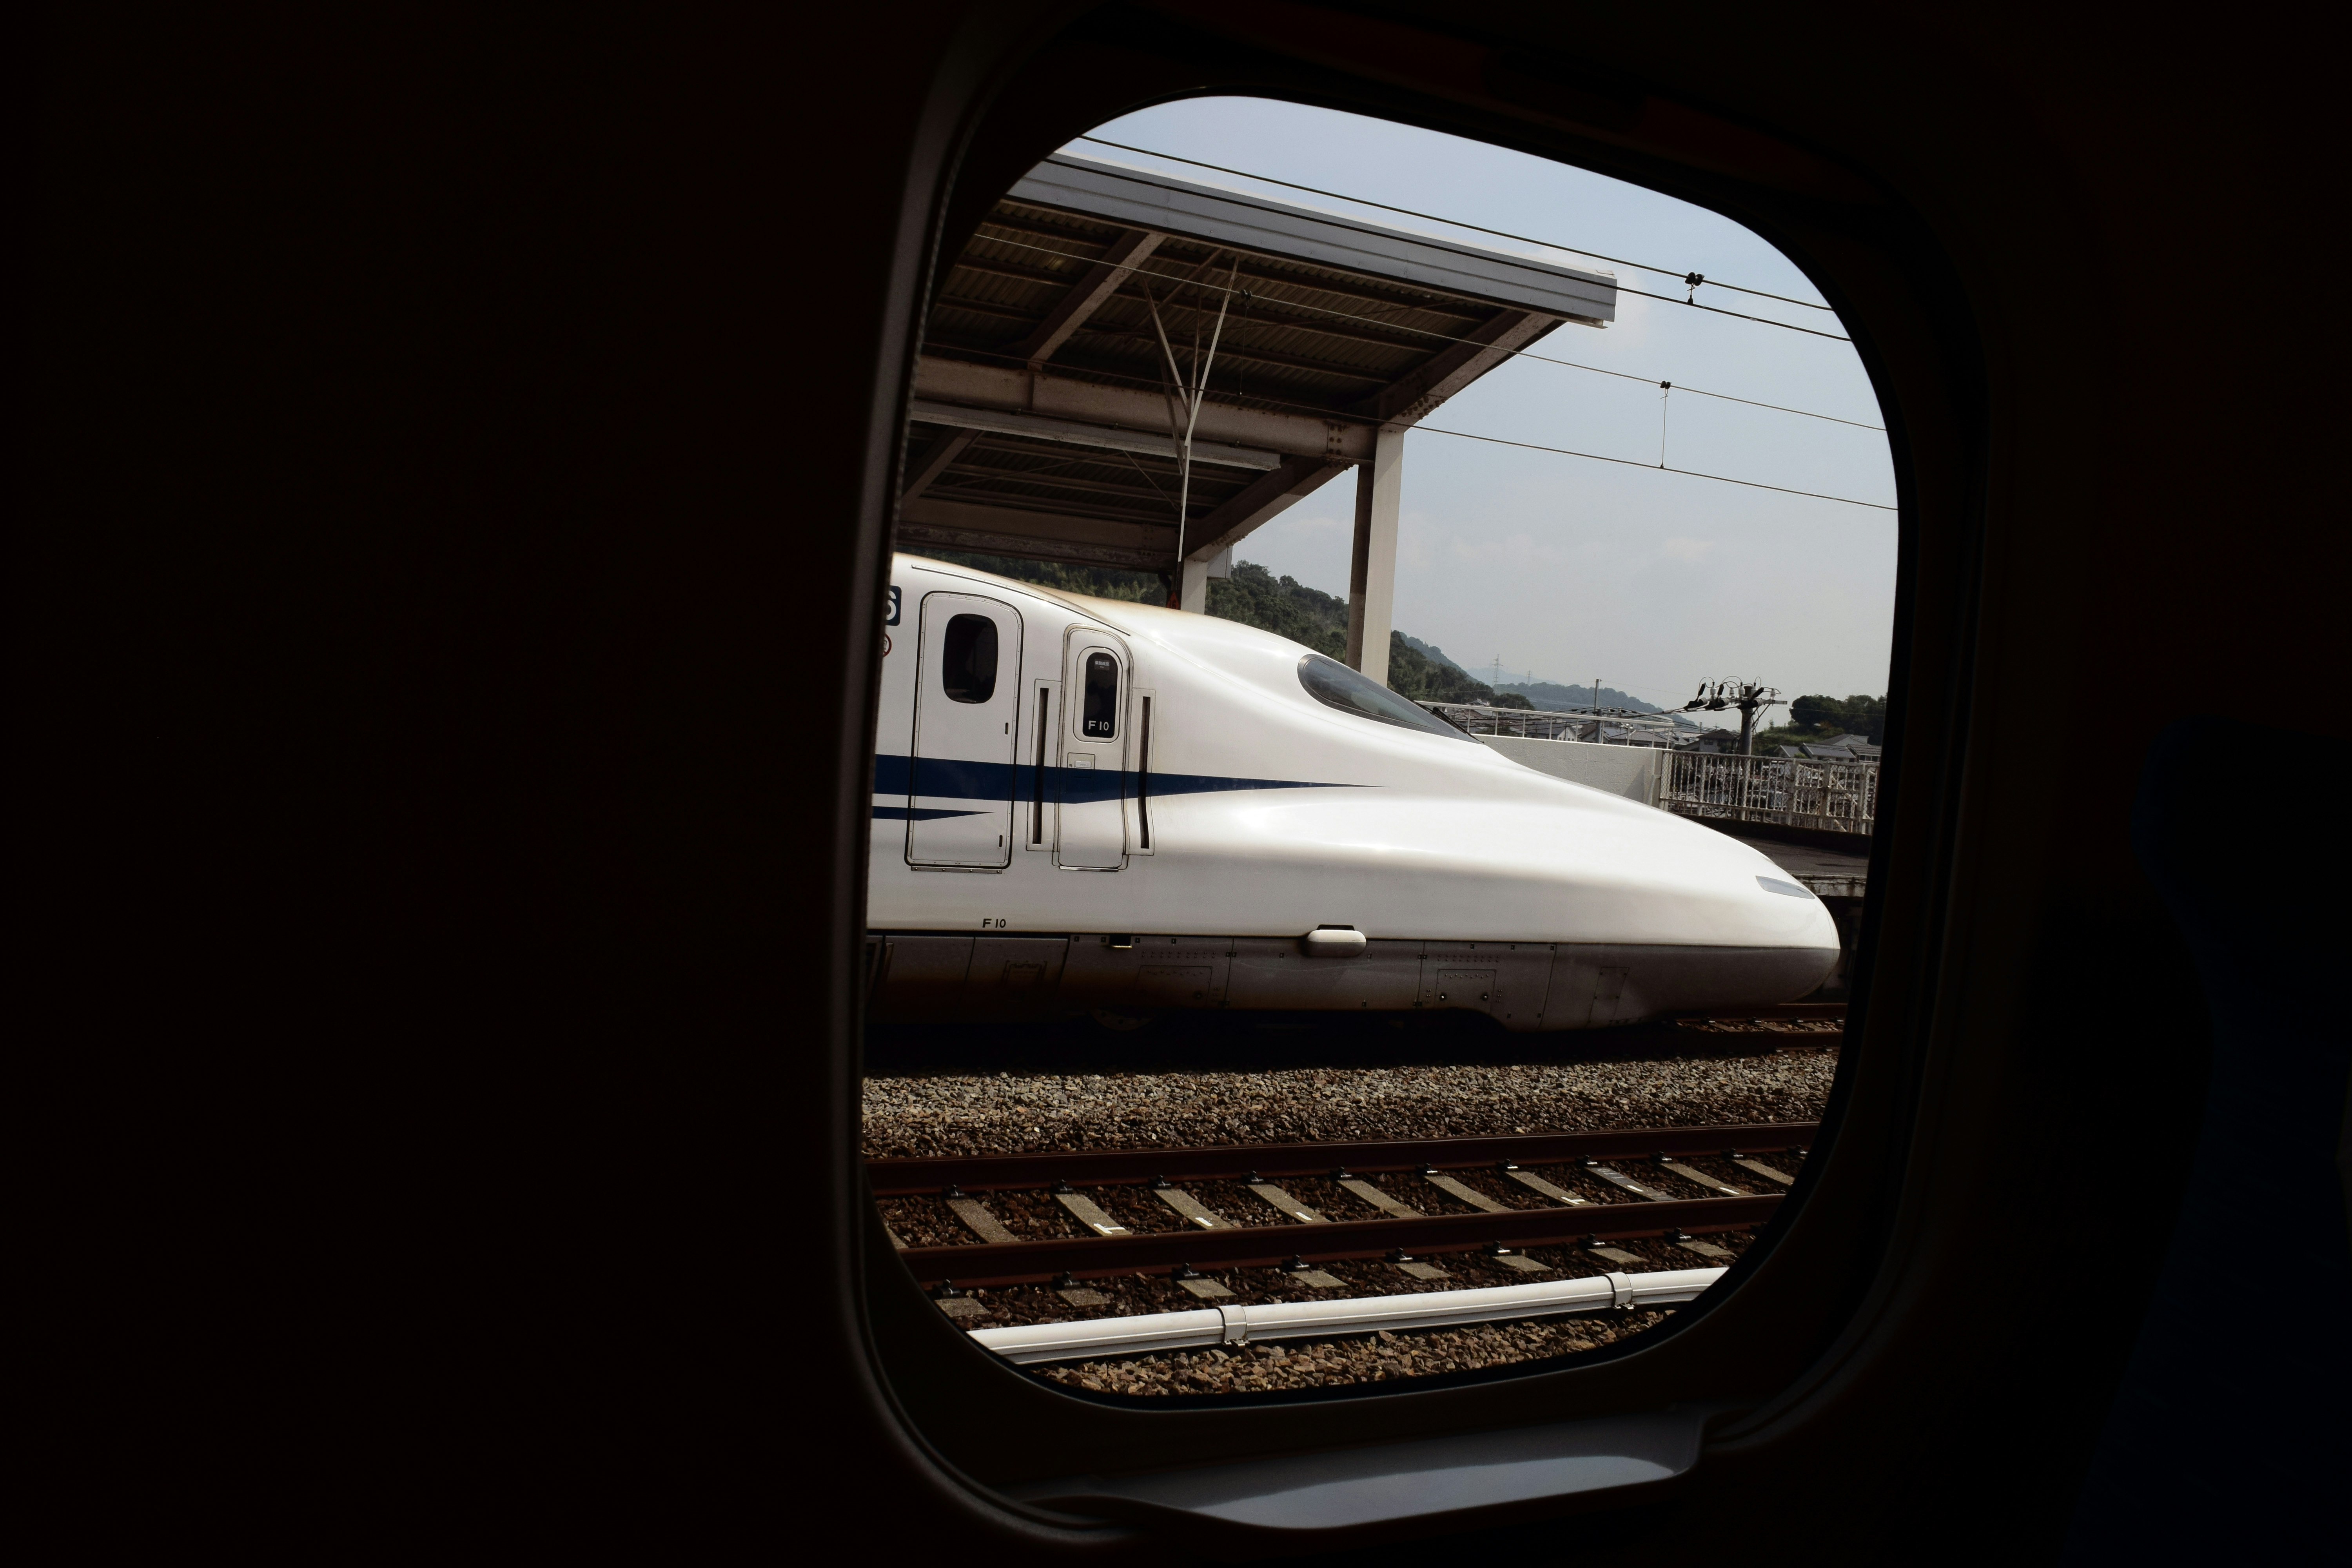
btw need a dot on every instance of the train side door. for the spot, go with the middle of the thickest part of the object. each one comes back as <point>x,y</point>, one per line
<point>967,702</point>
<point>1093,775</point>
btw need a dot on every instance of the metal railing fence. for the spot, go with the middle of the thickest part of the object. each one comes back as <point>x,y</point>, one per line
<point>1544,724</point>
<point>1836,797</point>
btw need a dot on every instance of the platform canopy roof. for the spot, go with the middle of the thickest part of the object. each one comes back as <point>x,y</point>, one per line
<point>1046,420</point>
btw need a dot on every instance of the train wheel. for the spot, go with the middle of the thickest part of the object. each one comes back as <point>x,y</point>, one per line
<point>1124,1023</point>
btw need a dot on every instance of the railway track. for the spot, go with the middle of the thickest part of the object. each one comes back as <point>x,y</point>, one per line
<point>1787,1012</point>
<point>1521,1191</point>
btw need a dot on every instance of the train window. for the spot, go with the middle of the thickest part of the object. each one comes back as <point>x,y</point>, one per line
<point>1334,685</point>
<point>968,659</point>
<point>1099,719</point>
<point>1302,1058</point>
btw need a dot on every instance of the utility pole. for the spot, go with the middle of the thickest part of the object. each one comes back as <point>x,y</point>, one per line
<point>1745,696</point>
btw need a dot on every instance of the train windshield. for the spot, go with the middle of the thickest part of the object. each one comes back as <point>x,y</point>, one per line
<point>1334,685</point>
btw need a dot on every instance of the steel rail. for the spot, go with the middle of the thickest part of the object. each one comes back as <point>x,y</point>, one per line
<point>1263,1246</point>
<point>1824,1012</point>
<point>928,1176</point>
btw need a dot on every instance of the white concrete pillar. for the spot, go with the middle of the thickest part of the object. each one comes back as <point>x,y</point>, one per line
<point>1192,588</point>
<point>1371,571</point>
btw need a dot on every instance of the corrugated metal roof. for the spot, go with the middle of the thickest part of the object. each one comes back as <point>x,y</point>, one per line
<point>1343,322</point>
<point>1144,199</point>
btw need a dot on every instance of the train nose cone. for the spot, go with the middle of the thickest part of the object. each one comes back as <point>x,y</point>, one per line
<point>1763,938</point>
<point>1700,920</point>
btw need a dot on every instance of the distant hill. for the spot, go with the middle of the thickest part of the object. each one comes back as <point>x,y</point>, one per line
<point>1551,694</point>
<point>1256,597</point>
<point>1547,694</point>
<point>1431,652</point>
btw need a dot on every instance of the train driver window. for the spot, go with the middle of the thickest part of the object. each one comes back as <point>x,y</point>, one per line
<point>1334,685</point>
<point>968,659</point>
<point>1098,721</point>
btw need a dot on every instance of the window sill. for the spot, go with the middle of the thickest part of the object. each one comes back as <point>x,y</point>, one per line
<point>1423,1487</point>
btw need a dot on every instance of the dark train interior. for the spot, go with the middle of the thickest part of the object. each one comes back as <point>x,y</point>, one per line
<point>465,456</point>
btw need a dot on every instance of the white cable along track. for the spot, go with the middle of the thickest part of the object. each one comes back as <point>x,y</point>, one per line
<point>1027,1342</point>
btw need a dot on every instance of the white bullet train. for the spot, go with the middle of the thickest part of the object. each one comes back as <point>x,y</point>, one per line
<point>1089,806</point>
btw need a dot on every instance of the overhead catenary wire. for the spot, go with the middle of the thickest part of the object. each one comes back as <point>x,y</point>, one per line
<point>1654,687</point>
<point>1266,300</point>
<point>1497,440</point>
<point>1657,467</point>
<point>1700,391</point>
<point>1692,279</point>
<point>1385,322</point>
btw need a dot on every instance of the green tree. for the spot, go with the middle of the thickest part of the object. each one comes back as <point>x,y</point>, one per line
<point>1282,605</point>
<point>1095,582</point>
<point>1817,718</point>
<point>1256,597</point>
<point>1288,607</point>
<point>1414,674</point>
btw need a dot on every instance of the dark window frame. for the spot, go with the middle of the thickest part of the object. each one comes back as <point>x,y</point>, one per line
<point>603,756</point>
<point>1097,706</point>
<point>965,1405</point>
<point>982,634</point>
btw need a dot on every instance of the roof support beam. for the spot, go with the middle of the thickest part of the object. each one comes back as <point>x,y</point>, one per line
<point>982,543</point>
<point>944,450</point>
<point>1082,432</point>
<point>1244,514</point>
<point>1245,436</point>
<point>1419,394</point>
<point>1337,285</point>
<point>1128,334</point>
<point>1264,499</point>
<point>1068,490</point>
<point>1031,549</point>
<point>1268,310</point>
<point>1151,544</point>
<point>1086,296</point>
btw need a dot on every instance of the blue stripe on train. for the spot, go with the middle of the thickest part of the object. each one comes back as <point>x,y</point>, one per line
<point>915,814</point>
<point>948,778</point>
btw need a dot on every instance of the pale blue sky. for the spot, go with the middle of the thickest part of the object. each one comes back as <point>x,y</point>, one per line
<point>1652,582</point>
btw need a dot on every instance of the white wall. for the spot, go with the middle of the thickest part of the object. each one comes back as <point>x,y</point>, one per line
<point>1632,772</point>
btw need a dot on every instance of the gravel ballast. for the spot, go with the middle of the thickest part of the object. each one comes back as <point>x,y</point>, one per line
<point>1003,1113</point>
<point>937,1114</point>
<point>1332,1364</point>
